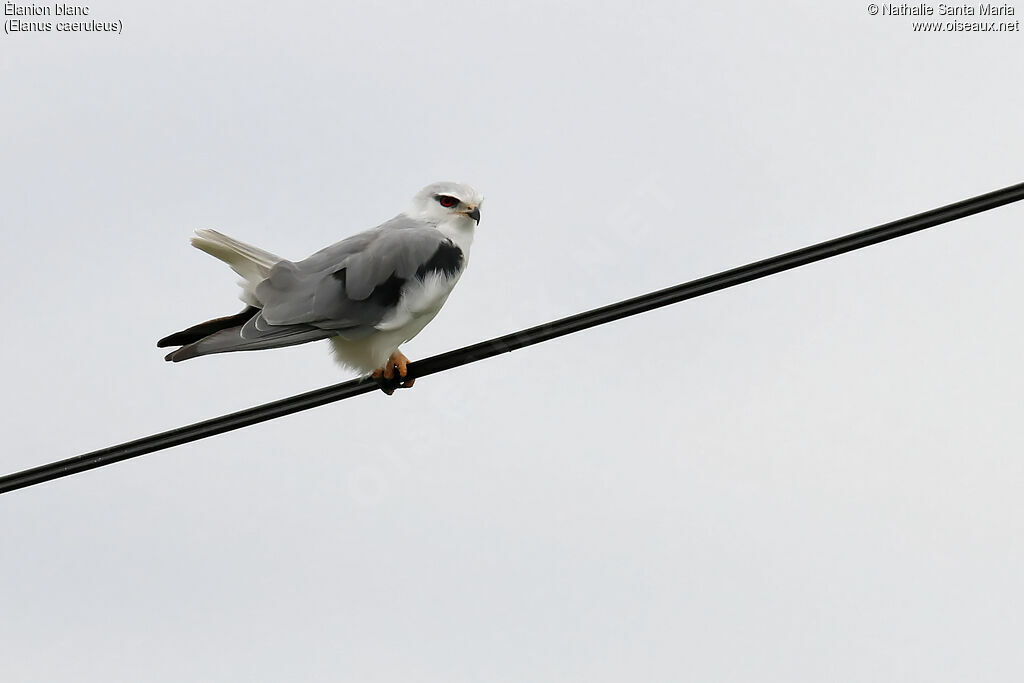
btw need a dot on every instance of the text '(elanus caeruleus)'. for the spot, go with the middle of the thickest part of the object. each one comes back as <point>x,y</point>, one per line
<point>368,294</point>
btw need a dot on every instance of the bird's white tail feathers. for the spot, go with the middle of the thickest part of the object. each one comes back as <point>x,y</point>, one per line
<point>252,263</point>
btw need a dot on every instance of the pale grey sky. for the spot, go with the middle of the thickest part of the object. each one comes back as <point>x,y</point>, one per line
<point>812,477</point>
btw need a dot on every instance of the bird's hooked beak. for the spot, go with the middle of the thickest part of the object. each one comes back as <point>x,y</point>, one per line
<point>474,214</point>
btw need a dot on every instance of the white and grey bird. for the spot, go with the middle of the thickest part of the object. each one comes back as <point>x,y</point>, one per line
<point>367,294</point>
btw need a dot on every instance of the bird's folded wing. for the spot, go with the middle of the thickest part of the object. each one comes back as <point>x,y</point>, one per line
<point>351,285</point>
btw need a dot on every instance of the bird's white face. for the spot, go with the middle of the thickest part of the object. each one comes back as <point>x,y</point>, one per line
<point>441,202</point>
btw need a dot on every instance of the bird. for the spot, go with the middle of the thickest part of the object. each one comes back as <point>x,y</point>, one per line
<point>368,294</point>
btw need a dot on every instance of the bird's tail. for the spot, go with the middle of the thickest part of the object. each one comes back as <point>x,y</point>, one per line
<point>252,263</point>
<point>239,332</point>
<point>197,332</point>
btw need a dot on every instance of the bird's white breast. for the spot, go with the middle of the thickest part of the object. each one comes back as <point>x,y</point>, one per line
<point>420,301</point>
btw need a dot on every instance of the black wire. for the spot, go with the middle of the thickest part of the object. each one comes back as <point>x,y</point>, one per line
<point>517,340</point>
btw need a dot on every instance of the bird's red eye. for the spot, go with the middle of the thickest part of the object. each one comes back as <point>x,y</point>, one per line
<point>446,201</point>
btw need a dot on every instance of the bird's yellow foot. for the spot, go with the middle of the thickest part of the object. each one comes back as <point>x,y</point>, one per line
<point>398,365</point>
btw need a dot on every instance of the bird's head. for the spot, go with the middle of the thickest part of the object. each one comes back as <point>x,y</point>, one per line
<point>441,202</point>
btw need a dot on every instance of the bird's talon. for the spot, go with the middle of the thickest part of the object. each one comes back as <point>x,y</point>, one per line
<point>388,386</point>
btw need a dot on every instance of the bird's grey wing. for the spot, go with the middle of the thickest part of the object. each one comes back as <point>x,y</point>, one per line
<point>352,285</point>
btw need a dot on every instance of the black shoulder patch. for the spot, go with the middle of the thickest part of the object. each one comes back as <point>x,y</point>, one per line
<point>447,260</point>
<point>386,294</point>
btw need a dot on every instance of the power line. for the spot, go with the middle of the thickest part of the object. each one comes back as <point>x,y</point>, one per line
<point>517,340</point>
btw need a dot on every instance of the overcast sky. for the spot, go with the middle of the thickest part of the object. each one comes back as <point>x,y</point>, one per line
<point>813,477</point>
